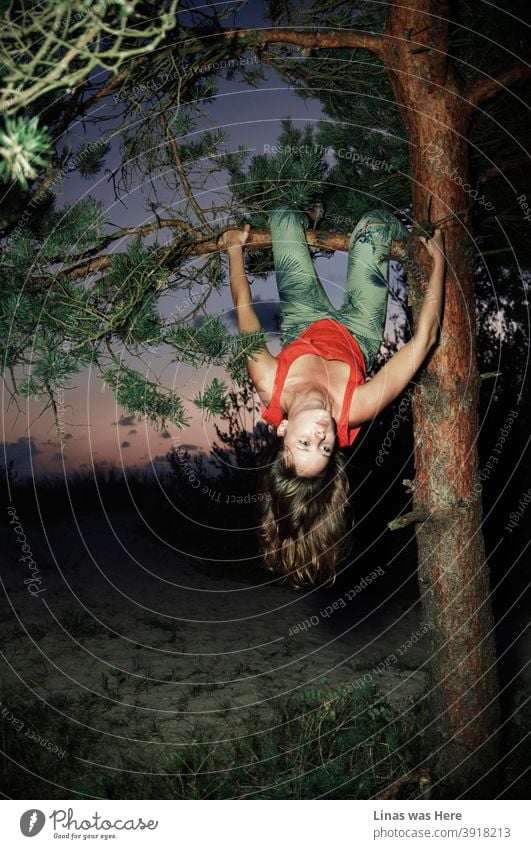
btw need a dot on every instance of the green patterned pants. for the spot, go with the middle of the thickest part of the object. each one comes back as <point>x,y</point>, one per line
<point>302,297</point>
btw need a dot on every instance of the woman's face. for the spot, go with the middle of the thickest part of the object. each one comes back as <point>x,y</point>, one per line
<point>309,440</point>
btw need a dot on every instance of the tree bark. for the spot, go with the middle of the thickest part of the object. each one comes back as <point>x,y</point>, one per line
<point>452,568</point>
<point>201,246</point>
<point>488,87</point>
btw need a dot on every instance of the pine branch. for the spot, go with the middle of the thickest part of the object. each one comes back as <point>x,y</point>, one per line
<point>275,35</point>
<point>486,88</point>
<point>503,168</point>
<point>258,240</point>
<point>174,148</point>
<point>416,515</point>
<point>44,49</point>
<point>140,230</point>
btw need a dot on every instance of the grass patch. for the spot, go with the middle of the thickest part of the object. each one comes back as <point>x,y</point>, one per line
<point>346,747</point>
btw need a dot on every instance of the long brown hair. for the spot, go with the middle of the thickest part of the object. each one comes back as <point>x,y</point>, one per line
<point>306,521</point>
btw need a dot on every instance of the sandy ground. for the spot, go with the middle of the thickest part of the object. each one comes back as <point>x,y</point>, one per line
<point>157,641</point>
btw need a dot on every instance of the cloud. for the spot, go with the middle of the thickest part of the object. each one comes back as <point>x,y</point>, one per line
<point>20,454</point>
<point>125,444</point>
<point>125,421</point>
<point>267,311</point>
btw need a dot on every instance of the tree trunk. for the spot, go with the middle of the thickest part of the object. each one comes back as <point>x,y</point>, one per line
<point>453,572</point>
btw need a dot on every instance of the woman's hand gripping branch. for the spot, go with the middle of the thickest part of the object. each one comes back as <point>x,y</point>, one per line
<point>233,242</point>
<point>261,365</point>
<point>430,315</point>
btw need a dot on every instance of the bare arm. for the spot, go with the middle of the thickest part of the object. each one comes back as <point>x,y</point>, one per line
<point>234,241</point>
<point>262,365</point>
<point>373,396</point>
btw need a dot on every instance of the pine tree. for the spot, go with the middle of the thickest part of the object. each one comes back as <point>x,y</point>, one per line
<point>422,116</point>
<point>67,302</point>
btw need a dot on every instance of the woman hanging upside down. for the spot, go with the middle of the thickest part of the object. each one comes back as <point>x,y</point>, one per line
<point>314,392</point>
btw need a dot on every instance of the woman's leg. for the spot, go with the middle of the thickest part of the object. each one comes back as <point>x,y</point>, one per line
<point>302,297</point>
<point>366,291</point>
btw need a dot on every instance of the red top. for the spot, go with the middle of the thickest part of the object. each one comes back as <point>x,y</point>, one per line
<point>329,339</point>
